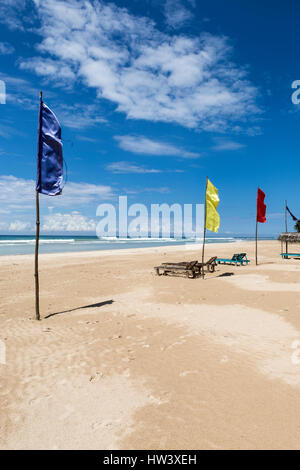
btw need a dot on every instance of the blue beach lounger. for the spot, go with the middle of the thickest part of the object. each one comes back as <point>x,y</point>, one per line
<point>292,255</point>
<point>238,259</point>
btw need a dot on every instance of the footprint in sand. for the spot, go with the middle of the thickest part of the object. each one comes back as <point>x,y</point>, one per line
<point>96,377</point>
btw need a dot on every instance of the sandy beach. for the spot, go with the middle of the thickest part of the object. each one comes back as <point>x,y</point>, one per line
<point>124,359</point>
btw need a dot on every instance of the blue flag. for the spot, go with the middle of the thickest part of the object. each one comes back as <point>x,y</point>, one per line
<point>50,155</point>
<point>292,215</point>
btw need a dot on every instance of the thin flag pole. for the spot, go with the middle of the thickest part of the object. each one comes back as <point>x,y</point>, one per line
<point>204,231</point>
<point>256,242</point>
<point>286,243</point>
<point>260,215</point>
<point>256,231</point>
<point>36,271</point>
<point>36,258</point>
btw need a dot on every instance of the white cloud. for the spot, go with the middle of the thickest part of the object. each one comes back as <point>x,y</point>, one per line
<point>10,13</point>
<point>143,145</point>
<point>146,73</point>
<point>223,144</point>
<point>162,189</point>
<point>54,222</point>
<point>3,226</point>
<point>73,222</point>
<point>17,201</point>
<point>79,116</point>
<point>176,14</point>
<point>6,48</point>
<point>20,92</point>
<point>87,139</point>
<point>48,68</point>
<point>4,211</point>
<point>85,193</point>
<point>126,167</point>
<point>19,226</point>
<point>140,190</point>
<point>19,194</point>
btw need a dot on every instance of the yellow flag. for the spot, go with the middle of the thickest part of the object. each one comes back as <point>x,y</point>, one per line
<point>212,201</point>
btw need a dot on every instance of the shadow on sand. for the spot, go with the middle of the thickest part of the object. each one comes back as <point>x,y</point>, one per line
<point>225,275</point>
<point>99,304</point>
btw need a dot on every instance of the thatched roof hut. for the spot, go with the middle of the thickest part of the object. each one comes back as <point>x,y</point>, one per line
<point>290,237</point>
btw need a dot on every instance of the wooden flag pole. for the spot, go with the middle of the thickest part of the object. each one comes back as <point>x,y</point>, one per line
<point>286,243</point>
<point>36,257</point>
<point>256,231</point>
<point>256,241</point>
<point>260,215</point>
<point>204,231</point>
<point>36,264</point>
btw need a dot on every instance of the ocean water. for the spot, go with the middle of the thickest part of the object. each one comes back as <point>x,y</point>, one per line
<point>25,244</point>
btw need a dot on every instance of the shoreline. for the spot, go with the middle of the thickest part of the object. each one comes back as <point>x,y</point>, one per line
<point>189,247</point>
<point>72,245</point>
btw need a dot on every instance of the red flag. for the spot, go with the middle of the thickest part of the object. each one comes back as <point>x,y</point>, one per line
<point>261,206</point>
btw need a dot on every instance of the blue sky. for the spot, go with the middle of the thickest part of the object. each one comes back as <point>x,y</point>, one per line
<point>152,97</point>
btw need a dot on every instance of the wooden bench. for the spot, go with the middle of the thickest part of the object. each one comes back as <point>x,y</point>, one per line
<point>190,269</point>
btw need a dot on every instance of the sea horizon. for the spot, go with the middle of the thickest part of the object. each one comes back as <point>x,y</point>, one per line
<point>25,244</point>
